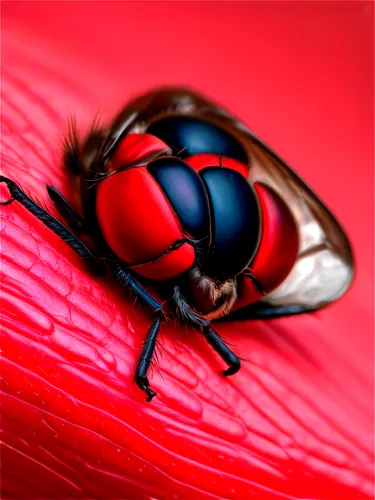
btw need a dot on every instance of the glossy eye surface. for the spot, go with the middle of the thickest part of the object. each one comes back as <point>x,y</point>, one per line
<point>217,206</point>
<point>191,135</point>
<point>185,192</point>
<point>235,222</point>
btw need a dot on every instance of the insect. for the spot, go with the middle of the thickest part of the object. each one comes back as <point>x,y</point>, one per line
<point>178,194</point>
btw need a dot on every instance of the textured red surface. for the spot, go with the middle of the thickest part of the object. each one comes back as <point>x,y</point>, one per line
<point>297,421</point>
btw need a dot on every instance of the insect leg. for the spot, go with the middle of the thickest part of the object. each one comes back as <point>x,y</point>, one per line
<point>90,258</point>
<point>218,345</point>
<point>145,359</point>
<point>66,211</point>
<point>154,308</point>
<point>213,338</point>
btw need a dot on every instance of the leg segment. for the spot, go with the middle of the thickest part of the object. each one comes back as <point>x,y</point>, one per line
<point>66,211</point>
<point>214,339</point>
<point>145,359</point>
<point>48,220</point>
<point>154,308</point>
<point>218,345</point>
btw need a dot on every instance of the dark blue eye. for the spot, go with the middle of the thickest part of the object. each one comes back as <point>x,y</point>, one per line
<point>235,222</point>
<point>186,193</point>
<point>191,135</point>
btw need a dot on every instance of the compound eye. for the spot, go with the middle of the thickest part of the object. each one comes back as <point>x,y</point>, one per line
<point>186,193</point>
<point>137,149</point>
<point>235,222</point>
<point>188,136</point>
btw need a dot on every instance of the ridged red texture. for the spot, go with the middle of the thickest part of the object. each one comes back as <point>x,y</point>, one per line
<point>134,148</point>
<point>297,421</point>
<point>203,160</point>
<point>139,224</point>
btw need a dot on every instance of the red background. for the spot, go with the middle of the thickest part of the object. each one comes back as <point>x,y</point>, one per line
<point>298,420</point>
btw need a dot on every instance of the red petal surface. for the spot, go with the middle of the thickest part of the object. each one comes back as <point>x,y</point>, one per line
<point>297,421</point>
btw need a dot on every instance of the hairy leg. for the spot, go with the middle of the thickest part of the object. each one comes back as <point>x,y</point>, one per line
<point>188,315</point>
<point>122,274</point>
<point>72,217</point>
<point>88,255</point>
<point>156,311</point>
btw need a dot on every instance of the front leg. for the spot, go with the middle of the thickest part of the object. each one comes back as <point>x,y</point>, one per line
<point>188,315</point>
<point>145,359</point>
<point>88,255</point>
<point>154,308</point>
<point>71,216</point>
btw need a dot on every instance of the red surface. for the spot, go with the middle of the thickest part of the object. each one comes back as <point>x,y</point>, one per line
<point>297,421</point>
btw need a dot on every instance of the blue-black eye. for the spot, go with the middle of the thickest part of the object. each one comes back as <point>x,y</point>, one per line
<point>190,135</point>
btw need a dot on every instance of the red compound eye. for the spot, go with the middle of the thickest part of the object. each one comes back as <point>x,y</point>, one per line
<point>204,160</point>
<point>141,228</point>
<point>277,251</point>
<point>136,147</point>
